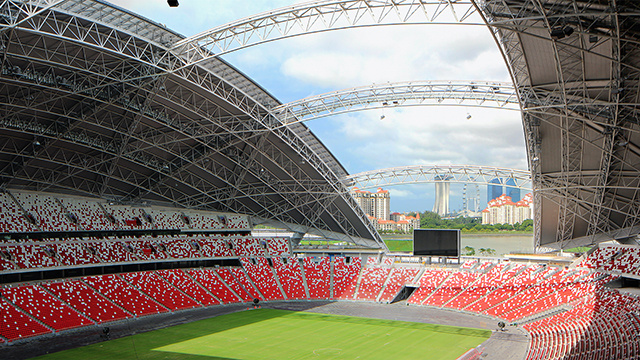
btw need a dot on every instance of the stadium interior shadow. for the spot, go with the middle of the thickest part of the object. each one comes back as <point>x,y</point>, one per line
<point>85,336</point>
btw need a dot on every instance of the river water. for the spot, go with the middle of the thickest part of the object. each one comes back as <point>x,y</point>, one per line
<point>501,243</point>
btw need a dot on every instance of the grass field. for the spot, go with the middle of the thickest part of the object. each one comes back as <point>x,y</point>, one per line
<point>268,334</point>
<point>399,245</point>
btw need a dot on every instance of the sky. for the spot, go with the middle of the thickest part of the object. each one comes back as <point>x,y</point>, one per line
<point>291,69</point>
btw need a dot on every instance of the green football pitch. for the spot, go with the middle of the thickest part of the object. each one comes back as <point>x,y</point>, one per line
<point>267,334</point>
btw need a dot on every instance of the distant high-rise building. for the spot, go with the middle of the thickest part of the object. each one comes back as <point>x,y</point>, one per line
<point>381,204</point>
<point>502,210</point>
<point>512,191</point>
<point>493,191</point>
<point>377,205</point>
<point>363,198</point>
<point>441,205</point>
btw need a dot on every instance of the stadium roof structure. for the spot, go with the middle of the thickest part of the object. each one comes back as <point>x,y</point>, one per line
<point>95,103</point>
<point>102,101</point>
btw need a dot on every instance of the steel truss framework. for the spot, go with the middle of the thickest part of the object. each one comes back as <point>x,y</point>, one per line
<point>434,173</point>
<point>575,68</point>
<point>574,65</point>
<point>412,93</point>
<point>92,104</point>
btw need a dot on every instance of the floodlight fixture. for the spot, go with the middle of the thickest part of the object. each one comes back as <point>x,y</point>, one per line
<point>173,3</point>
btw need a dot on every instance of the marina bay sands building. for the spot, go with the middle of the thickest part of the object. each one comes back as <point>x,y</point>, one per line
<point>443,187</point>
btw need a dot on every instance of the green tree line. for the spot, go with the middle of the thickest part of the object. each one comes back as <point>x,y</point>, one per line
<point>431,220</point>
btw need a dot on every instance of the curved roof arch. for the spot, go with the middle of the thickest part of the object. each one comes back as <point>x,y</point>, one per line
<point>574,65</point>
<point>89,108</point>
<point>419,174</point>
<point>497,95</point>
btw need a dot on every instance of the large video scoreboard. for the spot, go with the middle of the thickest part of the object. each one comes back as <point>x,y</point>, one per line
<point>436,242</point>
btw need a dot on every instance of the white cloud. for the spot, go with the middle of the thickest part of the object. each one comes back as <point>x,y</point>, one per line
<point>311,64</point>
<point>424,136</point>
<point>397,193</point>
<point>381,54</point>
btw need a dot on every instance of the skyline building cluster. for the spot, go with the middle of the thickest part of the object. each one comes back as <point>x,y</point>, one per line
<point>499,186</point>
<point>502,210</point>
<point>377,206</point>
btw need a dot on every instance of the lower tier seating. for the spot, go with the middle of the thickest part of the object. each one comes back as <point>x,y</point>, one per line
<point>397,279</point>
<point>242,282</point>
<point>18,325</point>
<point>569,313</point>
<point>210,281</point>
<point>160,290</point>
<point>261,274</point>
<point>190,287</point>
<point>345,276</point>
<point>124,295</point>
<point>317,271</point>
<point>371,283</point>
<point>45,307</point>
<point>87,301</point>
<point>291,278</point>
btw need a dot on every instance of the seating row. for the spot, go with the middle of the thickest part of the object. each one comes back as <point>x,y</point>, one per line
<point>23,211</point>
<point>617,259</point>
<point>72,252</point>
<point>597,318</point>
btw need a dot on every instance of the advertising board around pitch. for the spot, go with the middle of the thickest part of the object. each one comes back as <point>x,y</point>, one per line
<point>436,242</point>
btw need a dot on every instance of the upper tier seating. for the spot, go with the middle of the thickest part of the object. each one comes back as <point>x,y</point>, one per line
<point>17,325</point>
<point>89,214</point>
<point>397,279</point>
<point>12,218</point>
<point>317,271</point>
<point>238,222</point>
<point>73,253</point>
<point>182,248</point>
<point>148,249</point>
<point>49,214</point>
<point>160,290</point>
<point>202,221</point>
<point>45,307</point>
<point>291,278</point>
<point>113,251</point>
<point>32,212</point>
<point>126,296</point>
<point>5,265</point>
<point>345,276</point>
<point>262,276</point>
<point>278,247</point>
<point>249,247</point>
<point>129,218</point>
<point>87,301</point>
<point>214,247</point>
<point>33,256</point>
<point>190,287</point>
<point>166,219</point>
<point>371,283</point>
